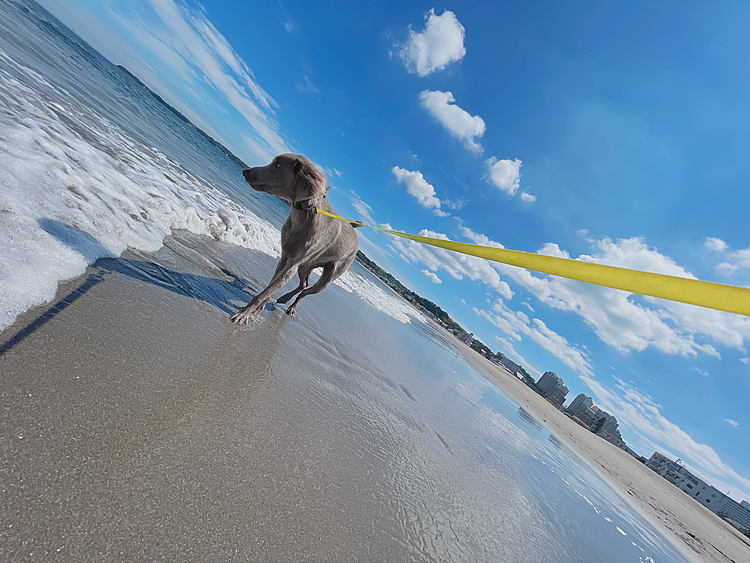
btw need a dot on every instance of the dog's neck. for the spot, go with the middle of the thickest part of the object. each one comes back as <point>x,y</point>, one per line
<point>308,204</point>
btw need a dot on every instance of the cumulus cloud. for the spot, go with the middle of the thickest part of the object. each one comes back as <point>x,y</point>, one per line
<point>441,43</point>
<point>432,276</point>
<point>527,197</point>
<point>505,174</point>
<point>715,244</point>
<point>732,422</point>
<point>417,186</point>
<point>459,123</point>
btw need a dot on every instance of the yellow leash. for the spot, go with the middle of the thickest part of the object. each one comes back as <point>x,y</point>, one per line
<point>694,292</point>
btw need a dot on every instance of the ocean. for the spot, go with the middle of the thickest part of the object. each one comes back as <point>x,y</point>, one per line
<point>357,432</point>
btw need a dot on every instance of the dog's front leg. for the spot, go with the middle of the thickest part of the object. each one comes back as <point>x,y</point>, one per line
<point>284,272</point>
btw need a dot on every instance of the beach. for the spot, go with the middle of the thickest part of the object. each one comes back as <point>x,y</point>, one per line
<point>703,535</point>
<point>141,424</point>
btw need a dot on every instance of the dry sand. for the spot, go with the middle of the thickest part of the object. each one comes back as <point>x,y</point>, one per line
<point>695,531</point>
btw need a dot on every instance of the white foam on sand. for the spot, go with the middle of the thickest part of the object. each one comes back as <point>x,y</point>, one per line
<point>378,297</point>
<point>76,187</point>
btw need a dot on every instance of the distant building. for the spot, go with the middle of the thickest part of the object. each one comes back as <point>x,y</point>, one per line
<point>551,386</point>
<point>579,403</point>
<point>466,337</point>
<point>697,488</point>
<point>509,364</point>
<point>586,416</point>
<point>610,422</point>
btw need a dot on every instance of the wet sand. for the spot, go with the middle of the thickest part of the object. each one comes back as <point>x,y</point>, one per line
<point>698,533</point>
<point>139,424</point>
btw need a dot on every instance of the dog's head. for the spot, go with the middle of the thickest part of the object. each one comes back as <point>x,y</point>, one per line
<point>289,176</point>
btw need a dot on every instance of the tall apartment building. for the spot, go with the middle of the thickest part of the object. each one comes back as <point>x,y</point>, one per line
<point>610,422</point>
<point>582,409</point>
<point>708,496</point>
<point>580,402</point>
<point>552,387</point>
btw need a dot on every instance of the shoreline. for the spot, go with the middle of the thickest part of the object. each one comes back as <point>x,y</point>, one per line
<point>696,532</point>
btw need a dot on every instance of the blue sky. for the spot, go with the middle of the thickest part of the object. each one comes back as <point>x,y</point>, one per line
<point>614,132</point>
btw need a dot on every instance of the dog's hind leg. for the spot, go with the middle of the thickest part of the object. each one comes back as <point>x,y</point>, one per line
<point>330,273</point>
<point>304,280</point>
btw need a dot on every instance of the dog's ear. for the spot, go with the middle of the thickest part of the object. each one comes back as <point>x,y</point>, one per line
<point>309,182</point>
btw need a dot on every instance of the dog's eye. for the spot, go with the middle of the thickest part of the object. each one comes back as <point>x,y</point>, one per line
<point>278,165</point>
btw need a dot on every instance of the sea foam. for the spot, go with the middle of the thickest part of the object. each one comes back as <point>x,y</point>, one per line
<point>77,187</point>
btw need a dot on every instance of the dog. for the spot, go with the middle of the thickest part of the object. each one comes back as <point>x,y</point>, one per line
<point>308,240</point>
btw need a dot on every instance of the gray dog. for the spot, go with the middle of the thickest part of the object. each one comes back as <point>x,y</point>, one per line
<point>308,240</point>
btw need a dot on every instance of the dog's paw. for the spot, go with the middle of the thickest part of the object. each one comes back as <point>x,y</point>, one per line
<point>243,316</point>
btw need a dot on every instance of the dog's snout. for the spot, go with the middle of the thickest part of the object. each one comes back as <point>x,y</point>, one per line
<point>246,173</point>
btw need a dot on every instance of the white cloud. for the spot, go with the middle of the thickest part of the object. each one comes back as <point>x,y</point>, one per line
<point>641,415</point>
<point>701,371</point>
<point>505,174</point>
<point>441,43</point>
<point>364,210</point>
<point>732,422</point>
<point>715,244</point>
<point>417,186</point>
<point>735,261</point>
<point>459,123</point>
<point>432,276</point>
<point>478,238</point>
<point>517,323</point>
<point>745,361</point>
<point>455,205</point>
<point>308,87</point>
<point>626,324</point>
<point>625,321</point>
<point>527,197</point>
<point>457,265</point>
